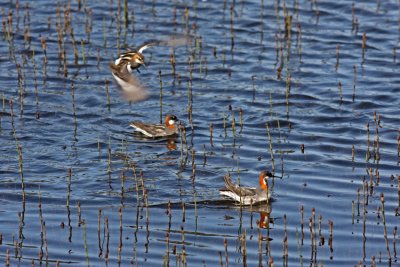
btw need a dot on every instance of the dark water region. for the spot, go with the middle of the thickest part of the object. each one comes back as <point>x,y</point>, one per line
<point>308,89</point>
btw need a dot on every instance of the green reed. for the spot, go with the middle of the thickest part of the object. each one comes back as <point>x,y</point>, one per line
<point>104,32</point>
<point>109,155</point>
<point>244,244</point>
<point>354,81</point>
<point>368,153</point>
<point>80,221</point>
<point>270,147</point>
<point>193,165</point>
<point>241,120</point>
<point>69,186</point>
<point>330,241</point>
<point>21,89</point>
<point>133,167</point>
<point>364,46</point>
<point>161,95</point>
<point>9,31</point>
<point>382,197</point>
<point>299,253</point>
<point>76,57</point>
<point>195,209</point>
<point>233,127</point>
<point>226,251</point>
<point>166,256</point>
<point>285,249</point>
<point>204,156</point>
<point>337,57</point>
<point>19,152</point>
<point>181,146</point>
<point>35,80</point>
<point>224,122</point>
<point>108,95</point>
<point>83,52</point>
<point>211,136</point>
<point>120,236</point>
<point>41,222</point>
<point>7,257</point>
<point>3,98</point>
<point>85,245</point>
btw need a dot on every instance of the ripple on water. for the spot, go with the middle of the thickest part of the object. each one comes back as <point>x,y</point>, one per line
<point>323,106</point>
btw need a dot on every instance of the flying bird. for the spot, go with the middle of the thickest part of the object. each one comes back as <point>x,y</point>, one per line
<point>123,67</point>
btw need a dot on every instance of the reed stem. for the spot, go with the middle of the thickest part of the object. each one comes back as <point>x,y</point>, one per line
<point>161,95</point>
<point>270,148</point>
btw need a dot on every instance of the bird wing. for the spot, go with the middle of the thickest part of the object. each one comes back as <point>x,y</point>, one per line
<point>146,45</point>
<point>241,191</point>
<point>151,130</point>
<point>172,42</point>
<point>126,56</point>
<point>130,85</point>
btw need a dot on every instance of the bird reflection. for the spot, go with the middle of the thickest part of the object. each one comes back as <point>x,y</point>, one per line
<point>264,220</point>
<point>169,142</point>
<point>264,210</point>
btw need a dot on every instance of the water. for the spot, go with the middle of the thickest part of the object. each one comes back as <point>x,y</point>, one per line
<point>234,68</point>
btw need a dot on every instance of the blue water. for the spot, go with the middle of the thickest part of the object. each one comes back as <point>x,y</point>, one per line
<point>240,61</point>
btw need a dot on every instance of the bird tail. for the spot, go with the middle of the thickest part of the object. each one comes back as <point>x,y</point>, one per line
<point>228,183</point>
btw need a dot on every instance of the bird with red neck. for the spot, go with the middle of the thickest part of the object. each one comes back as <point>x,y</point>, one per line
<point>169,128</point>
<point>248,195</point>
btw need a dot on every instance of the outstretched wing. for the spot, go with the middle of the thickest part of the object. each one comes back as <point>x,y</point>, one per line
<point>132,90</point>
<point>171,42</point>
<point>146,45</point>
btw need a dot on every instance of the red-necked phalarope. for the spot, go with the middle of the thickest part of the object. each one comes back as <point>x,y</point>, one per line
<point>132,60</point>
<point>157,130</point>
<point>248,195</point>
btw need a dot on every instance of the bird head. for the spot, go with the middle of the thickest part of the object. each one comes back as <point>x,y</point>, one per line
<point>170,121</point>
<point>264,176</point>
<point>138,58</point>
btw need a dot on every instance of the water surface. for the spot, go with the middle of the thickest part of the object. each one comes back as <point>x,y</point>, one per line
<point>319,90</point>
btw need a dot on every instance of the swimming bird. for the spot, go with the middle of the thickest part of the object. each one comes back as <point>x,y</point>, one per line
<point>132,60</point>
<point>248,195</point>
<point>157,130</point>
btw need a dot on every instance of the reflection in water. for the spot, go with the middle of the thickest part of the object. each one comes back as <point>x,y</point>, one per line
<point>264,209</point>
<point>264,220</point>
<point>245,233</point>
<point>170,141</point>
